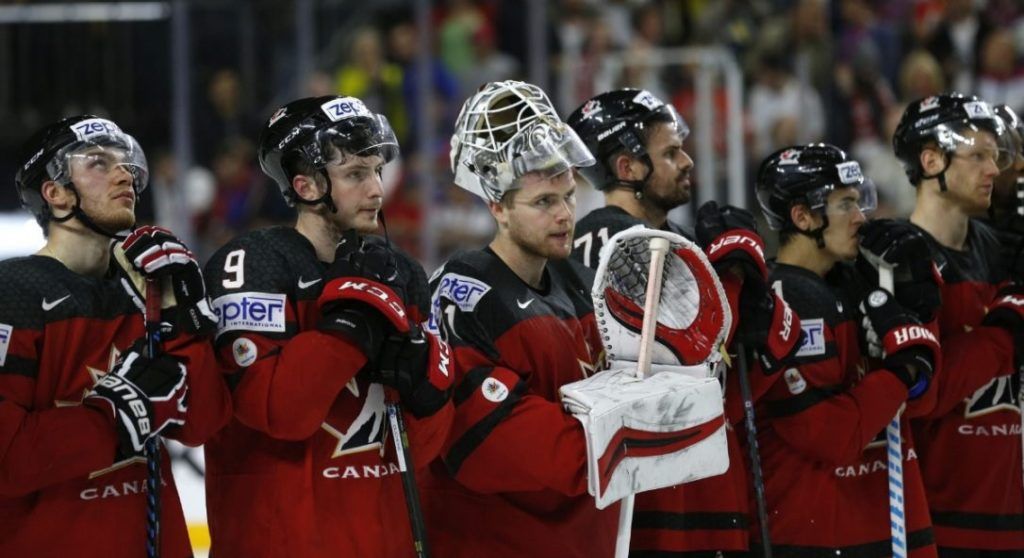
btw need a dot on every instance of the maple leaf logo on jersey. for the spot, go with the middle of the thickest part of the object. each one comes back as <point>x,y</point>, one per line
<point>1000,394</point>
<point>94,375</point>
<point>367,431</point>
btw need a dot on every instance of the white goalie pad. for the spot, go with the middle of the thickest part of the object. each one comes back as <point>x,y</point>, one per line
<point>645,434</point>
<point>693,314</point>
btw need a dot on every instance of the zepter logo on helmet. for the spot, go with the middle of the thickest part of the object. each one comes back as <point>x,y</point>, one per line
<point>621,121</point>
<point>951,122</point>
<point>72,145</point>
<point>316,129</point>
<point>807,175</point>
<point>509,129</point>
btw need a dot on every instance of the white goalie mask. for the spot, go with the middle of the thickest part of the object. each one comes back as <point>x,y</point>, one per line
<point>506,130</point>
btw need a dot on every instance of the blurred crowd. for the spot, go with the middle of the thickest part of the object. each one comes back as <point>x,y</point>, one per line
<point>833,70</point>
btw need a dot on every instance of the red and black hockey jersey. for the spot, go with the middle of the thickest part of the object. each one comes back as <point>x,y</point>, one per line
<point>593,231</point>
<point>512,481</point>
<point>821,434</point>
<point>61,491</point>
<point>307,467</point>
<point>970,445</point>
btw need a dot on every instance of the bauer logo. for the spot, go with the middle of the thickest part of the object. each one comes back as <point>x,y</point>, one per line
<point>5,341</point>
<point>250,312</point>
<point>93,127</point>
<point>346,107</point>
<point>814,338</point>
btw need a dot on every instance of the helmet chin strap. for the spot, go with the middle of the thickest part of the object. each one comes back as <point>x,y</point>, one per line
<point>817,234</point>
<point>638,186</point>
<point>941,175</point>
<point>76,212</point>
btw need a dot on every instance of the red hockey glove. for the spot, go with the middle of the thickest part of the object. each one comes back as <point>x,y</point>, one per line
<point>419,366</point>
<point>1007,311</point>
<point>156,252</point>
<point>770,326</point>
<point>909,349</point>
<point>144,395</point>
<point>729,237</point>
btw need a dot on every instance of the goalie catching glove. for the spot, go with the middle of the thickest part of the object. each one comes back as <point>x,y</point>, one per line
<point>645,434</point>
<point>156,253</point>
<point>693,316</point>
<point>144,395</point>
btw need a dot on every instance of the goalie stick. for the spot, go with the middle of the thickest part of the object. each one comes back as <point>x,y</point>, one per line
<point>659,248</point>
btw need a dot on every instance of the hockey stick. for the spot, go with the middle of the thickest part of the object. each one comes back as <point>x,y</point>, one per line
<point>755,455</point>
<point>659,248</point>
<point>153,299</point>
<point>407,466</point>
<point>894,453</point>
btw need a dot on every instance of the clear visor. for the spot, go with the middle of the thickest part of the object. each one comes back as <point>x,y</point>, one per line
<point>971,142</point>
<point>362,137</point>
<point>677,121</point>
<point>548,149</point>
<point>100,157</point>
<point>848,198</point>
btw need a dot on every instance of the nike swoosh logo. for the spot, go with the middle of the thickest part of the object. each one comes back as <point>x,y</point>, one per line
<point>47,305</point>
<point>307,284</point>
<point>523,305</point>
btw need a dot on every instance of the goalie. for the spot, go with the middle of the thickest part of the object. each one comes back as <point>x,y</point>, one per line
<point>516,478</point>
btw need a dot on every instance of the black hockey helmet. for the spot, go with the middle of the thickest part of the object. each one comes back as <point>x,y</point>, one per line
<point>807,174</point>
<point>942,120</point>
<point>614,122</point>
<point>48,154</point>
<point>304,129</point>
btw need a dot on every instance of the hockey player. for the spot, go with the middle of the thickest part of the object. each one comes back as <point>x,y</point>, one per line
<point>953,147</point>
<point>824,459</point>
<point>514,476</point>
<point>319,326</point>
<point>1006,213</point>
<point>80,395</point>
<point>643,170</point>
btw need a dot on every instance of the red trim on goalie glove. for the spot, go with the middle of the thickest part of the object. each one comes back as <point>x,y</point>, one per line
<point>910,335</point>
<point>630,442</point>
<point>364,290</point>
<point>692,345</point>
<point>739,239</point>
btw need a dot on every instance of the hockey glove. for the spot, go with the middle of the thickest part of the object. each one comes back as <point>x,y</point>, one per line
<point>157,253</point>
<point>419,366</point>
<point>145,396</point>
<point>1007,311</point>
<point>904,247</point>
<point>729,237</point>
<point>769,326</point>
<point>908,349</point>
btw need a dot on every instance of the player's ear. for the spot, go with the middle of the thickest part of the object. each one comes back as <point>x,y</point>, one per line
<point>628,168</point>
<point>802,217</point>
<point>57,196</point>
<point>933,160</point>
<point>306,187</point>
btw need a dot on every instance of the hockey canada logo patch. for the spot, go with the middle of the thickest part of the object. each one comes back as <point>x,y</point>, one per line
<point>790,157</point>
<point>5,341</point>
<point>814,338</point>
<point>244,351</point>
<point>250,311</point>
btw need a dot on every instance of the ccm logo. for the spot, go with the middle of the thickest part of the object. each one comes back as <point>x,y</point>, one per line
<point>746,241</point>
<point>375,291</point>
<point>913,333</point>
